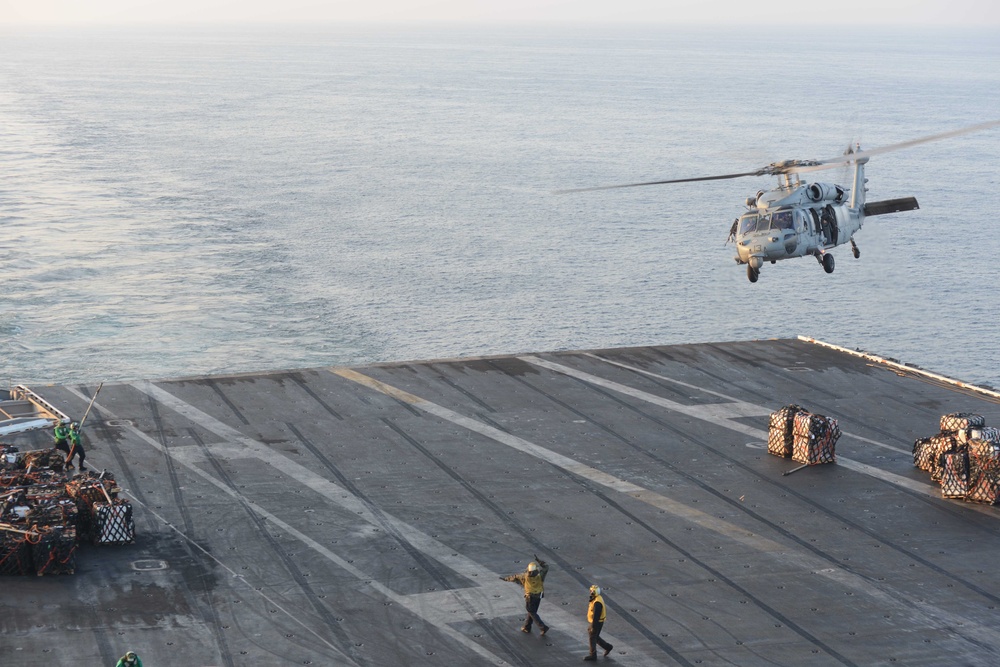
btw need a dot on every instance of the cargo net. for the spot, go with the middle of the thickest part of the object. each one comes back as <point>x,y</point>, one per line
<point>923,454</point>
<point>961,421</point>
<point>964,458</point>
<point>44,515</point>
<point>55,550</point>
<point>37,550</point>
<point>112,523</point>
<point>103,517</point>
<point>15,552</point>
<point>51,459</point>
<point>779,433</point>
<point>53,513</point>
<point>814,438</point>
<point>955,474</point>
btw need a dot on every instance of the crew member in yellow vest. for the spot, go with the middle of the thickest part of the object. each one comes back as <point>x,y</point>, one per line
<point>533,580</point>
<point>596,613</point>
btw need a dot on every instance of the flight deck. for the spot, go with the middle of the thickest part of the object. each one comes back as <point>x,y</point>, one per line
<point>365,515</point>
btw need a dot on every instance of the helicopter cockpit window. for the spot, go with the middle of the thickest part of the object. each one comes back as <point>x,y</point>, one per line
<point>748,223</point>
<point>782,220</point>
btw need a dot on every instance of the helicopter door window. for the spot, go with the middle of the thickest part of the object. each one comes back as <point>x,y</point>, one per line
<point>781,220</point>
<point>748,223</point>
<point>801,221</point>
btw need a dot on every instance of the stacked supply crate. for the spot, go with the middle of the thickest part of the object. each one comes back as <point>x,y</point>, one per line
<point>105,518</point>
<point>964,457</point>
<point>815,438</point>
<point>807,437</point>
<point>780,438</point>
<point>44,515</point>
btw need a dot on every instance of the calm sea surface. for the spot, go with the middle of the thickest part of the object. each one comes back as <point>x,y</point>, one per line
<point>180,202</point>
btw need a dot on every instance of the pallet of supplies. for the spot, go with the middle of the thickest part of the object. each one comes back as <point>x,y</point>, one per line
<point>961,421</point>
<point>779,434</point>
<point>113,523</point>
<point>104,518</point>
<point>44,514</point>
<point>984,471</point>
<point>54,552</point>
<point>964,457</point>
<point>954,474</point>
<point>815,439</point>
<point>940,444</point>
<point>45,458</point>
<point>53,513</point>
<point>15,552</point>
<point>987,433</point>
<point>923,454</point>
<point>45,492</point>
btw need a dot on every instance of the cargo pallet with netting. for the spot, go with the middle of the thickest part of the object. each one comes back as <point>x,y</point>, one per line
<point>45,513</point>
<point>964,457</point>
<point>808,438</point>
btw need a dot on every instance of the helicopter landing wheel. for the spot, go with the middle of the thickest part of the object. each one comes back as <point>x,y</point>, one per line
<point>828,263</point>
<point>752,274</point>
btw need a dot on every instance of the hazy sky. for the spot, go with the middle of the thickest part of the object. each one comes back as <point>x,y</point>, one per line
<point>862,12</point>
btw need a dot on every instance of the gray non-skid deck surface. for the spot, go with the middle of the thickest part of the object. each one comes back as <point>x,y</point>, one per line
<point>363,517</point>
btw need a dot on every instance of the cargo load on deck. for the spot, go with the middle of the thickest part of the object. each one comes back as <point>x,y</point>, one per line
<point>806,437</point>
<point>964,457</point>
<point>45,514</point>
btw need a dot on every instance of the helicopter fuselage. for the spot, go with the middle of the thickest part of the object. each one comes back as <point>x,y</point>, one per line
<point>795,220</point>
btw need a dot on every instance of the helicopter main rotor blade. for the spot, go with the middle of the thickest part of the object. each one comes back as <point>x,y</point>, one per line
<point>675,180</point>
<point>852,157</point>
<point>802,166</point>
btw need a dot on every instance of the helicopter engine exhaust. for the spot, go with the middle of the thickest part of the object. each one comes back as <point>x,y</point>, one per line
<point>825,192</point>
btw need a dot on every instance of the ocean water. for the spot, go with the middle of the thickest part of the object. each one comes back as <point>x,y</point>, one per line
<point>185,201</point>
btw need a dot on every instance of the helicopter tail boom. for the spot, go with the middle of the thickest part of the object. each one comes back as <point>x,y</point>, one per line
<point>891,206</point>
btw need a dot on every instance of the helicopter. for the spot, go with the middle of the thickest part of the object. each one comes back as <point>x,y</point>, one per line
<point>798,218</point>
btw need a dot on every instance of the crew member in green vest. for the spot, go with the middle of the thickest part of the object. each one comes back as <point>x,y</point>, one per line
<point>130,659</point>
<point>77,448</point>
<point>533,580</point>
<point>596,613</point>
<point>61,435</point>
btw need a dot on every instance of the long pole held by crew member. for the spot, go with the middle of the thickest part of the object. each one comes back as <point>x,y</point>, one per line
<point>91,404</point>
